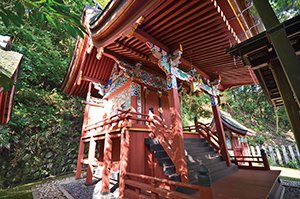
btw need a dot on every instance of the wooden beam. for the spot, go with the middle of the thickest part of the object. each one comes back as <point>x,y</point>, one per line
<point>91,79</point>
<point>144,37</point>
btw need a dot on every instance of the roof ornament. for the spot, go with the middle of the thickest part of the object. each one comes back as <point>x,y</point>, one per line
<point>138,22</point>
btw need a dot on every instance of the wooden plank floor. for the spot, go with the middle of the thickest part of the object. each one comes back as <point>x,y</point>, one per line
<point>245,184</point>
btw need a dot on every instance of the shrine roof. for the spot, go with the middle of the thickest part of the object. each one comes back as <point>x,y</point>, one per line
<point>204,29</point>
<point>233,125</point>
<point>9,66</point>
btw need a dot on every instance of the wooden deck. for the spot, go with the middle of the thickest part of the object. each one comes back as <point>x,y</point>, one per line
<point>245,184</point>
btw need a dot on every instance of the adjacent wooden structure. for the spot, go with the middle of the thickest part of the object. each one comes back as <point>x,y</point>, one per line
<point>259,53</point>
<point>9,67</point>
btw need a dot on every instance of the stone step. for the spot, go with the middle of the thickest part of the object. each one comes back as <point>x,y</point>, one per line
<point>155,147</point>
<point>211,167</point>
<point>160,154</point>
<point>203,156</point>
<point>193,140</point>
<point>195,144</point>
<point>195,149</point>
<point>221,173</point>
<point>165,162</point>
<point>149,141</point>
<point>207,162</point>
<point>174,177</point>
<point>169,170</point>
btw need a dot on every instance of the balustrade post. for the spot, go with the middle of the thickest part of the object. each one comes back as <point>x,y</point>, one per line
<point>219,128</point>
<point>91,160</point>
<point>106,164</point>
<point>196,124</point>
<point>123,159</point>
<point>265,159</point>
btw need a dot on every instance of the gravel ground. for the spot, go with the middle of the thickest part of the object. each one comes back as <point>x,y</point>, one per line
<point>77,189</point>
<point>49,190</point>
<point>292,189</point>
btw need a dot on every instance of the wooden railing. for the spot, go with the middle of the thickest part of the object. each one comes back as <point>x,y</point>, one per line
<point>252,162</point>
<point>165,136</point>
<point>168,137</point>
<point>142,186</point>
<point>205,132</point>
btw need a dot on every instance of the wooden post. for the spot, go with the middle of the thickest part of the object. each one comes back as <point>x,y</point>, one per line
<point>220,129</point>
<point>106,163</point>
<point>291,107</point>
<point>265,159</point>
<point>174,103</point>
<point>123,160</point>
<point>81,143</point>
<point>91,158</point>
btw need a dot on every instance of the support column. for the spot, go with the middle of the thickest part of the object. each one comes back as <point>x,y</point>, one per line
<point>220,129</point>
<point>91,160</point>
<point>106,163</point>
<point>123,159</point>
<point>81,143</point>
<point>174,104</point>
<point>291,107</point>
<point>276,33</point>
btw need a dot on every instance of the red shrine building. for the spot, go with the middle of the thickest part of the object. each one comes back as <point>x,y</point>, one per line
<point>10,62</point>
<point>129,67</point>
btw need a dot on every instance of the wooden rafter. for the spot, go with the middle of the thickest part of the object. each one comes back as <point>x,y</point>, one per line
<point>144,37</point>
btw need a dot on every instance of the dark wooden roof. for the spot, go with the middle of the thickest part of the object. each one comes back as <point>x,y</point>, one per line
<point>204,29</point>
<point>258,53</point>
<point>233,125</point>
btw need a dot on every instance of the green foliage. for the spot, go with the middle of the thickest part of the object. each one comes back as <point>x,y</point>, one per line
<point>42,137</point>
<point>249,105</point>
<point>102,3</point>
<point>194,106</point>
<point>57,13</point>
<point>285,9</point>
<point>260,139</point>
<point>293,164</point>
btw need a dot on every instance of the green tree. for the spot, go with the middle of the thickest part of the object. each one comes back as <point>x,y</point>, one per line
<point>285,9</point>
<point>42,137</point>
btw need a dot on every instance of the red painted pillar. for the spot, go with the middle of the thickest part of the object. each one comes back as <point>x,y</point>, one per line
<point>220,129</point>
<point>106,163</point>
<point>91,160</point>
<point>81,143</point>
<point>123,160</point>
<point>174,104</point>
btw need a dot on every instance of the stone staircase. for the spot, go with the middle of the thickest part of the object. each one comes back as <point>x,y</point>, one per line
<point>198,152</point>
<point>164,161</point>
<point>204,160</point>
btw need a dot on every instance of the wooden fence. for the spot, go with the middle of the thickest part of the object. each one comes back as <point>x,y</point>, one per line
<point>279,155</point>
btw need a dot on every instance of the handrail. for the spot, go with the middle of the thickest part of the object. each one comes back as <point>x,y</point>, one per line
<point>205,131</point>
<point>124,114</point>
<point>246,162</point>
<point>165,187</point>
<point>169,141</point>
